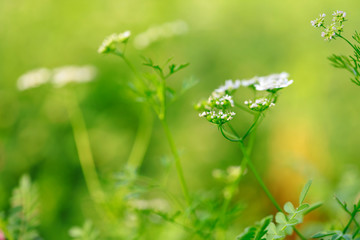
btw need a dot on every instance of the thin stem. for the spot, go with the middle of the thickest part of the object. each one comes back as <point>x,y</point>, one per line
<point>353,214</point>
<point>142,139</point>
<point>253,126</point>
<point>244,108</point>
<point>346,41</point>
<point>177,161</point>
<point>83,147</point>
<point>262,184</point>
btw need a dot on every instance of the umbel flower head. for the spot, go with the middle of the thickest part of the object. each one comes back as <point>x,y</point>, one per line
<point>319,21</point>
<point>334,29</point>
<point>260,104</point>
<point>217,108</point>
<point>273,82</point>
<point>110,43</point>
<point>339,16</point>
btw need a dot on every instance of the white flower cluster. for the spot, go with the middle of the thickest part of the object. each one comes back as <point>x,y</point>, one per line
<point>227,88</point>
<point>34,78</point>
<point>68,74</point>
<point>260,104</point>
<point>339,16</point>
<point>329,33</point>
<point>216,109</point>
<point>221,102</point>
<point>273,82</point>
<point>109,44</point>
<point>319,21</point>
<point>333,29</point>
<point>219,117</point>
<point>166,30</point>
<point>58,77</point>
<point>230,86</point>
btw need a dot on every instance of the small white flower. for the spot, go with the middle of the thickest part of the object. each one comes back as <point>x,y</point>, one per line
<point>260,104</point>
<point>247,83</point>
<point>319,21</point>
<point>34,78</point>
<point>330,32</point>
<point>68,74</point>
<point>229,86</point>
<point>110,42</point>
<point>274,81</point>
<point>339,16</point>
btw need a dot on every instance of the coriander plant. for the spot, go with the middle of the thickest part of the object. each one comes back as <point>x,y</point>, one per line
<point>332,32</point>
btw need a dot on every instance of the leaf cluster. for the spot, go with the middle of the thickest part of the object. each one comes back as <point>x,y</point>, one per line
<point>349,63</point>
<point>22,220</point>
<point>351,231</point>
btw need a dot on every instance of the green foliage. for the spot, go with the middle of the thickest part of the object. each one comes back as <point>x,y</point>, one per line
<point>351,231</point>
<point>22,220</point>
<point>285,221</point>
<point>86,232</point>
<point>349,63</point>
<point>257,231</point>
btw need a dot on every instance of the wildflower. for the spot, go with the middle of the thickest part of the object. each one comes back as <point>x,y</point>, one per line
<point>2,236</point>
<point>260,104</point>
<point>273,82</point>
<point>34,78</point>
<point>339,16</point>
<point>248,83</point>
<point>78,74</point>
<point>329,32</point>
<point>218,117</point>
<point>110,43</point>
<point>162,31</point>
<point>228,88</point>
<point>319,21</point>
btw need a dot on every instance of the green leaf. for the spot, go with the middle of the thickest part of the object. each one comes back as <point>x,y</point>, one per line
<point>289,207</point>
<point>248,234</point>
<point>264,224</point>
<point>323,234</point>
<point>304,192</point>
<point>302,207</point>
<point>280,218</point>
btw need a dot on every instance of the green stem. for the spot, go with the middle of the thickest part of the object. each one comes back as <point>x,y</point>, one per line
<point>258,178</point>
<point>177,161</point>
<point>82,142</point>
<point>142,139</point>
<point>262,184</point>
<point>253,126</point>
<point>353,214</point>
<point>244,108</point>
<point>346,41</point>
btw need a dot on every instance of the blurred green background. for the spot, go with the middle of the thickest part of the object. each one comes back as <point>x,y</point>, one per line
<point>313,132</point>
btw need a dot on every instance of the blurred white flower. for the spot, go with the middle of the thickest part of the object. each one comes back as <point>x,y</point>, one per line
<point>155,204</point>
<point>274,81</point>
<point>166,30</point>
<point>34,78</point>
<point>68,74</point>
<point>229,86</point>
<point>109,43</point>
